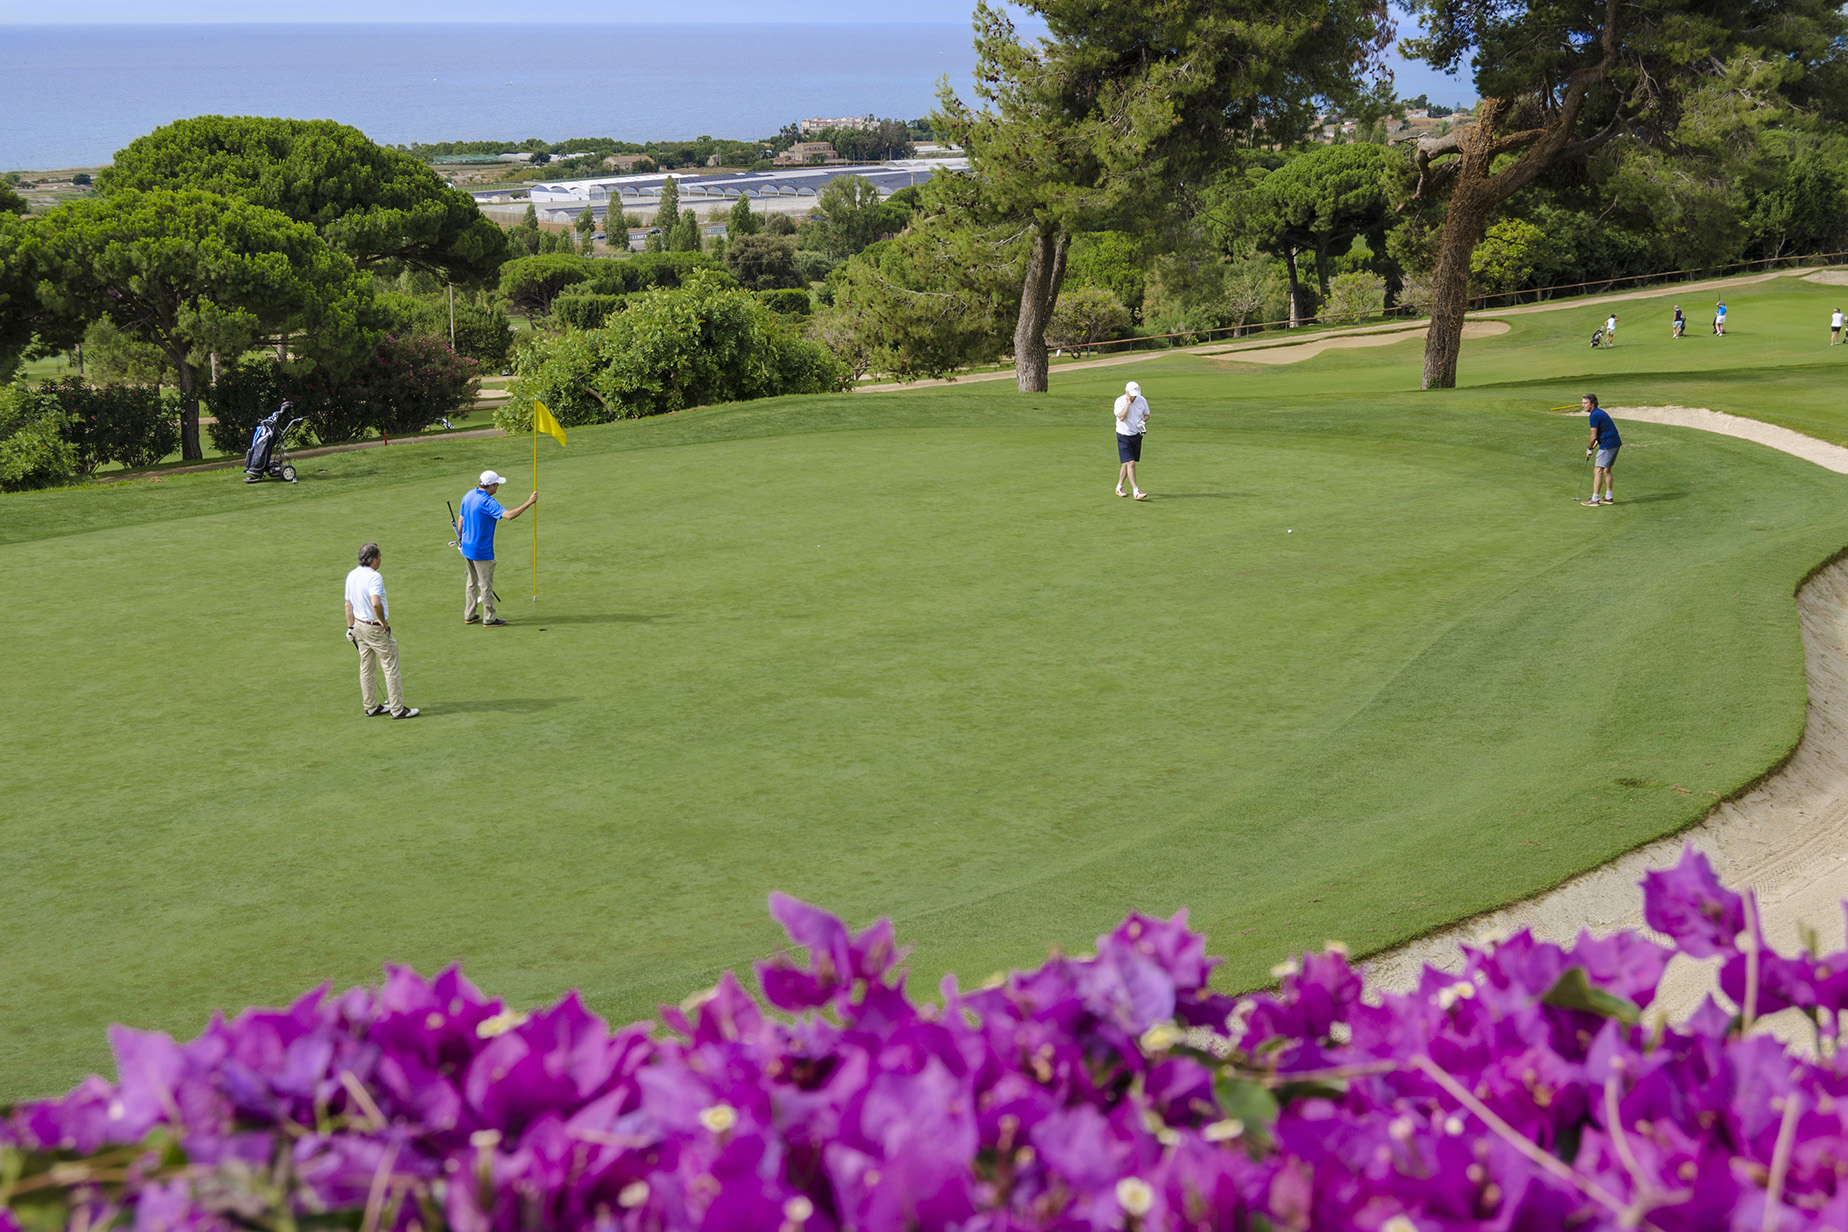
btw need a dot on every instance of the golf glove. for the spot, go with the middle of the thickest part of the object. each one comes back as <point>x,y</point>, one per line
<point>351,636</point>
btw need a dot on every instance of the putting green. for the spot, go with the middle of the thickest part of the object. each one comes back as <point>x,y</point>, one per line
<point>898,654</point>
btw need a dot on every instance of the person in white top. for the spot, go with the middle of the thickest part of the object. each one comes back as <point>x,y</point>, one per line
<point>1610,330</point>
<point>368,619</point>
<point>1835,327</point>
<point>1132,422</point>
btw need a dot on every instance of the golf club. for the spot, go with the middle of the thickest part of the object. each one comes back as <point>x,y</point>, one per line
<point>455,524</point>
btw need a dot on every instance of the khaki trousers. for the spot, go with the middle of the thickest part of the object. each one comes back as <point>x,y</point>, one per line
<point>378,649</point>
<point>478,587</point>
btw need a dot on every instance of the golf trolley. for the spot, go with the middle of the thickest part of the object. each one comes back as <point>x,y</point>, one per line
<point>269,450</point>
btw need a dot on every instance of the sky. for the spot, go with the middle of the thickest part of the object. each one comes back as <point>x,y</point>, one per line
<point>1410,79</point>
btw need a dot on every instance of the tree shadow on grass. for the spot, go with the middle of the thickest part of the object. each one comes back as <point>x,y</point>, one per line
<point>1653,497</point>
<point>501,705</point>
<point>1199,495</point>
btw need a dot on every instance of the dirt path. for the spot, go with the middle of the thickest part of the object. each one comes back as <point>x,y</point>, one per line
<point>1787,838</point>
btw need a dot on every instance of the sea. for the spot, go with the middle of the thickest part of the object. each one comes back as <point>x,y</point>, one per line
<point>70,96</point>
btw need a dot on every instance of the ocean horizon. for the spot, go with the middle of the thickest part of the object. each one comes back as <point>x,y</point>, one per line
<point>78,93</point>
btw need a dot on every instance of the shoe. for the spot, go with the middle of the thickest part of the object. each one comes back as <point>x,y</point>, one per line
<point>1121,492</point>
<point>496,621</point>
<point>1142,496</point>
<point>409,712</point>
<point>1609,500</point>
<point>1593,503</point>
<point>471,620</point>
<point>373,712</point>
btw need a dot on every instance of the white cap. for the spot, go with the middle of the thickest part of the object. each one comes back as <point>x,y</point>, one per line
<point>489,478</point>
<point>1133,390</point>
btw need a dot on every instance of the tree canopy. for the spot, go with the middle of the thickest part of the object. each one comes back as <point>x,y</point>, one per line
<point>1101,122</point>
<point>1561,80</point>
<point>196,273</point>
<point>378,205</point>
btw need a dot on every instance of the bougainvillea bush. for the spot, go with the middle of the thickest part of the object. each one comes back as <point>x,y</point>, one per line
<point>1530,1091</point>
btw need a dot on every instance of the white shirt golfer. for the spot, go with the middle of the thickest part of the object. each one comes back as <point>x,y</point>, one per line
<point>361,585</point>
<point>1132,415</point>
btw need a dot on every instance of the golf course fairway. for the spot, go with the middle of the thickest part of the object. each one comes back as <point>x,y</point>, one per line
<point>1361,667</point>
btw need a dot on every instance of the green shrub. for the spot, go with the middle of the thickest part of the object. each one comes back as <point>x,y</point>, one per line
<point>530,284</point>
<point>33,450</point>
<point>648,270</point>
<point>787,301</point>
<point>246,392</point>
<point>693,345</point>
<point>483,334</point>
<point>404,387</point>
<point>130,424</point>
<point>587,311</point>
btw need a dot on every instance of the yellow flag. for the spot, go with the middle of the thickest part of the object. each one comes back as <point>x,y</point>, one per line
<point>543,422</point>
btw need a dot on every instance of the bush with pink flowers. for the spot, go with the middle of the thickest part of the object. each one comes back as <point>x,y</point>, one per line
<point>1529,1091</point>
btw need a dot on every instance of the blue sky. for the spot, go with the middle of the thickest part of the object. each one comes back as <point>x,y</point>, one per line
<point>1411,79</point>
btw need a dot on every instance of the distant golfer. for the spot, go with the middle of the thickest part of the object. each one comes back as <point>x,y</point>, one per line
<point>1610,330</point>
<point>1132,423</point>
<point>1602,448</point>
<point>1719,319</point>
<point>368,619</point>
<point>1835,327</point>
<point>1681,323</point>
<point>481,513</point>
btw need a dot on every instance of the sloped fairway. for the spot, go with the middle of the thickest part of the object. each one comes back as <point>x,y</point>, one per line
<point>899,654</point>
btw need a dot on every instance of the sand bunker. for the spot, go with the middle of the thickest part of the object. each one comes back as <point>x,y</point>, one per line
<point>1295,354</point>
<point>1786,838</point>
<point>1828,278</point>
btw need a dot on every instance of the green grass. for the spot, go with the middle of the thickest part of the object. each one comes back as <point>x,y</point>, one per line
<point>900,654</point>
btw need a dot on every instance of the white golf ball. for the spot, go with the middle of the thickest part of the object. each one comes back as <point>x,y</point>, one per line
<point>1289,532</point>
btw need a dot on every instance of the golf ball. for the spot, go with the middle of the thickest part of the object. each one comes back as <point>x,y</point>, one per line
<point>1289,532</point>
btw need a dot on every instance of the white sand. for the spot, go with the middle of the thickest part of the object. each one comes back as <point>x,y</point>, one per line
<point>1295,353</point>
<point>1786,838</point>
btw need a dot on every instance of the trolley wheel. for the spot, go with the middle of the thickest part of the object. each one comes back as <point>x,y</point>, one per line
<point>288,474</point>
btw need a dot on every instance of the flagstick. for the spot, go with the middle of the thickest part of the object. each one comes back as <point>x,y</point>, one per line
<point>535,509</point>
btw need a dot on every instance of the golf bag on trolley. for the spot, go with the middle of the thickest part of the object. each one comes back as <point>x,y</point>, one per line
<point>270,436</point>
<point>1597,337</point>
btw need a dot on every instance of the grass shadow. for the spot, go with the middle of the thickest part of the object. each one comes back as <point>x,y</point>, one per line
<point>1653,497</point>
<point>602,618</point>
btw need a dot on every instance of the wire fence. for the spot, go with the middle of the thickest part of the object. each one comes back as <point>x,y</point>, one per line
<point>1415,311</point>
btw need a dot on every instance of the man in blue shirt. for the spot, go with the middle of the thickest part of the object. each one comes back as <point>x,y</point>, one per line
<point>481,513</point>
<point>1602,448</point>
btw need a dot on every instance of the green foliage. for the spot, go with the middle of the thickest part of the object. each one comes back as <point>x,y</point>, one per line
<point>10,201</point>
<point>530,284</point>
<point>587,310</point>
<point>401,388</point>
<point>130,424</point>
<point>684,237</point>
<point>1116,261</point>
<point>1509,255</point>
<point>740,221</point>
<point>19,302</point>
<point>788,302</point>
<point>937,298</point>
<point>1315,205</point>
<point>1086,316</point>
<point>667,213</point>
<point>482,333</point>
<point>693,345</point>
<point>853,216</point>
<point>586,225</point>
<point>765,263</point>
<point>885,140</point>
<point>1354,297</point>
<point>197,274</point>
<point>779,224</point>
<point>379,206</point>
<point>35,451</point>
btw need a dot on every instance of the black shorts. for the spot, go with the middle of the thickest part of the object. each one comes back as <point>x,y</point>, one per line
<point>1129,448</point>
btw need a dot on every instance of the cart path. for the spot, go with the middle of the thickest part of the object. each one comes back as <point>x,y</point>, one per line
<point>1386,334</point>
<point>1787,838</point>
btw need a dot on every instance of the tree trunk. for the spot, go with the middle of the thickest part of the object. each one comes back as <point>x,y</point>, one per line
<point>1321,270</point>
<point>1038,294</point>
<point>189,414</point>
<point>1472,200</point>
<point>1298,299</point>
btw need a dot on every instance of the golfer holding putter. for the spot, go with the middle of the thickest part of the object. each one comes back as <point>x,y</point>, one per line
<point>1602,448</point>
<point>1132,422</point>
<point>481,513</point>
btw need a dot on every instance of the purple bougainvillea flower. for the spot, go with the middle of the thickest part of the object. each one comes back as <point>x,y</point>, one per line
<point>1689,905</point>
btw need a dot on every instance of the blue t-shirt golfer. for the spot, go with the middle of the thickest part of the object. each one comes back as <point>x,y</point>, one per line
<point>481,513</point>
<point>1602,448</point>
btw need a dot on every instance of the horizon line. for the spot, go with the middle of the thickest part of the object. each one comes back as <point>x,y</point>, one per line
<point>454,21</point>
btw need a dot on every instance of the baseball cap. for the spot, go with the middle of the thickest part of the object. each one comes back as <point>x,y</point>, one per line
<point>1133,390</point>
<point>489,477</point>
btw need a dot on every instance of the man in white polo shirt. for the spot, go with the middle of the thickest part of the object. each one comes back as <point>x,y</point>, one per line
<point>368,618</point>
<point>1132,423</point>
